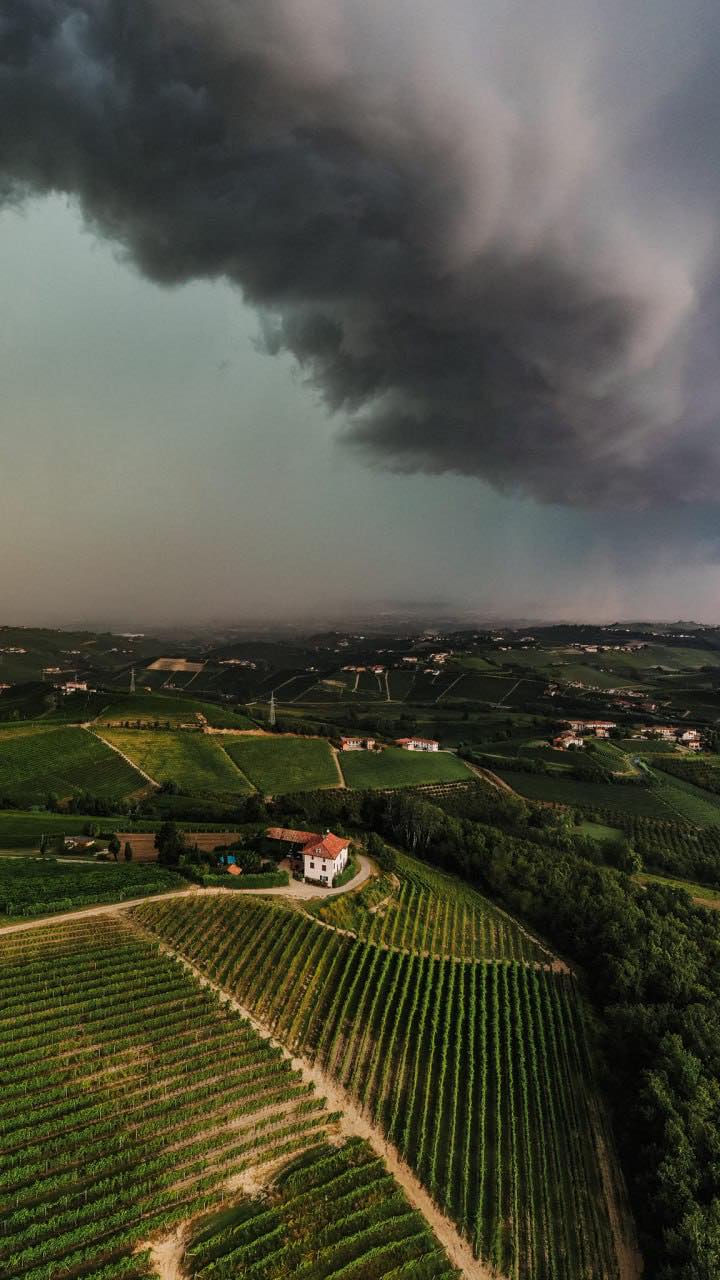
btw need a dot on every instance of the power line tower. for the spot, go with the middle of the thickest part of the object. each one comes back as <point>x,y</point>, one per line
<point>132,679</point>
<point>272,710</point>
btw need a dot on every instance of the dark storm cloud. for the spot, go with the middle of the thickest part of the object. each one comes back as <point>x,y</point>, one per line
<point>467,231</point>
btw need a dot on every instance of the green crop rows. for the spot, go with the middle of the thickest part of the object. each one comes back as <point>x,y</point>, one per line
<point>195,761</point>
<point>478,1072</point>
<point>130,1097</point>
<point>330,1213</point>
<point>34,762</point>
<point>421,909</point>
<point>278,764</point>
<point>395,767</point>
<point>35,888</point>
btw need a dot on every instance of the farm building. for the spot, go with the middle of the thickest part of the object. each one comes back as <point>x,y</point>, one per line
<point>351,743</point>
<point>570,739</point>
<point>75,686</point>
<point>323,857</point>
<point>417,744</point>
<point>691,738</point>
<point>601,728</point>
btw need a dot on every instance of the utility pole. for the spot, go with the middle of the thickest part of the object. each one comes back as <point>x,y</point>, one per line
<point>272,710</point>
<point>132,679</point>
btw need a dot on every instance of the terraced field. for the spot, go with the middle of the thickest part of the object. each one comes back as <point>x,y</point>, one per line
<point>394,767</point>
<point>478,1072</point>
<point>419,908</point>
<point>276,764</point>
<point>36,760</point>
<point>195,761</point>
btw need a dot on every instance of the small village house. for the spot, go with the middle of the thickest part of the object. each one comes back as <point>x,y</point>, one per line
<point>417,744</point>
<point>355,742</point>
<point>565,740</point>
<point>322,858</point>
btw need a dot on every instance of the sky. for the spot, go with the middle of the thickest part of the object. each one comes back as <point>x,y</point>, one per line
<point>478,380</point>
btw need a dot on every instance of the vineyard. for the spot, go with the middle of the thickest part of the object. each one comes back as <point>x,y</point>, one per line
<point>195,761</point>
<point>66,761</point>
<point>129,1049</point>
<point>393,767</point>
<point>277,764</point>
<point>37,888</point>
<point>149,708</point>
<point>330,1213</point>
<point>479,1073</point>
<point>421,909</point>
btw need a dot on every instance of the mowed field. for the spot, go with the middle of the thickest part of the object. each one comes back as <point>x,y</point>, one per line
<point>394,767</point>
<point>36,760</point>
<point>196,762</point>
<point>276,764</point>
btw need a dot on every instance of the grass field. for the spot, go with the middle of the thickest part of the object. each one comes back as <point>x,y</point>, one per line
<point>35,761</point>
<point>394,767</point>
<point>480,1073</point>
<point>598,831</point>
<point>276,764</point>
<point>195,761</point>
<point>151,707</point>
<point>31,887</point>
<point>702,891</point>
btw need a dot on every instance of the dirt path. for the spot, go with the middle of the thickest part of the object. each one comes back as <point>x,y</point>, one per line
<point>352,1124</point>
<point>295,889</point>
<point>488,776</point>
<point>166,1255</point>
<point>341,776</point>
<point>127,759</point>
<point>449,687</point>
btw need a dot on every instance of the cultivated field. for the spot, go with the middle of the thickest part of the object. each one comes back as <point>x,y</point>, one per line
<point>479,1073</point>
<point>42,887</point>
<point>154,1101</point>
<point>276,764</point>
<point>560,790</point>
<point>35,761</point>
<point>420,909</point>
<point>150,708</point>
<point>196,762</point>
<point>330,1213</point>
<point>394,767</point>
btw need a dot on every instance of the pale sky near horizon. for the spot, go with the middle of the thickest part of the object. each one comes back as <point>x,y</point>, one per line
<point>159,467</point>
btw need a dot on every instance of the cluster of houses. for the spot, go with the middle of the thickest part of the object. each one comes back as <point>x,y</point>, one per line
<point>320,858</point>
<point>359,742</point>
<point>578,730</point>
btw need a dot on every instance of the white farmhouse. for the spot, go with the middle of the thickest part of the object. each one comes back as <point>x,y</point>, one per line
<point>417,744</point>
<point>326,858</point>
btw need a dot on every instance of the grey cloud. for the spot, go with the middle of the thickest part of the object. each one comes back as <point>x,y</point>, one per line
<point>450,237</point>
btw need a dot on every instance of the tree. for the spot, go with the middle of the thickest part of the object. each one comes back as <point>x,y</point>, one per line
<point>170,844</point>
<point>128,851</point>
<point>114,847</point>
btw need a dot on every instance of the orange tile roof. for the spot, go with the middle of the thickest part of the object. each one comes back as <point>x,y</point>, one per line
<point>328,846</point>
<point>292,837</point>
